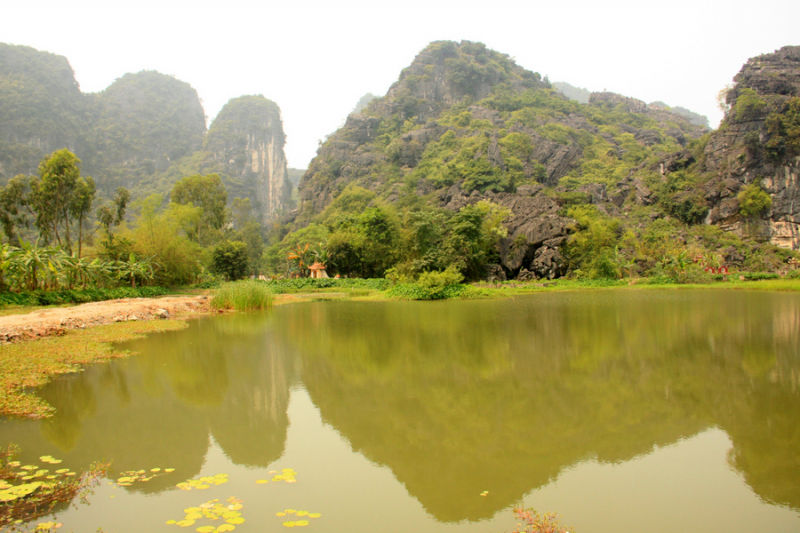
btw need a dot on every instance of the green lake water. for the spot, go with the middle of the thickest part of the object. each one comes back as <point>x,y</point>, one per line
<point>651,411</point>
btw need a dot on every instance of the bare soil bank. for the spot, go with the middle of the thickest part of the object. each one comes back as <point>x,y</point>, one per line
<point>56,321</point>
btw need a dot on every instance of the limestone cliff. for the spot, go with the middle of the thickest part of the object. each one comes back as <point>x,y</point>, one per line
<point>41,109</point>
<point>144,132</point>
<point>759,141</point>
<point>464,123</point>
<point>141,124</point>
<point>247,140</point>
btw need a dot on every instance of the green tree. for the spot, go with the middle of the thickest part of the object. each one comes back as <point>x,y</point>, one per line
<point>591,249</point>
<point>230,259</point>
<point>81,204</point>
<point>52,196</point>
<point>208,193</point>
<point>753,201</point>
<point>247,229</point>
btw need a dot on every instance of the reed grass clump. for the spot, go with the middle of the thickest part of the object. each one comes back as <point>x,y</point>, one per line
<point>242,296</point>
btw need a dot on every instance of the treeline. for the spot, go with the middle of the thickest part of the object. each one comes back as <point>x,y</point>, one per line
<point>59,235</point>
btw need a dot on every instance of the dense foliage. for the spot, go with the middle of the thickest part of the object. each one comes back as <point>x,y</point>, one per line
<point>74,296</point>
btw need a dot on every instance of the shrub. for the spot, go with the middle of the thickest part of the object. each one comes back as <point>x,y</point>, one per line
<point>78,296</point>
<point>281,286</point>
<point>230,260</point>
<point>753,201</point>
<point>243,296</point>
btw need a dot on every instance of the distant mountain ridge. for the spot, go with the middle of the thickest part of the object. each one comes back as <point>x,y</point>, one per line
<point>144,132</point>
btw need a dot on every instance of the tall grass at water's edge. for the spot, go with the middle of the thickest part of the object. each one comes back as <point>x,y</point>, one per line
<point>242,296</point>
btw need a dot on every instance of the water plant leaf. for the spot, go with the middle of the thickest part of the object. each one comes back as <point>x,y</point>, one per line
<point>225,527</point>
<point>289,524</point>
<point>206,529</point>
<point>280,514</point>
<point>29,467</point>
<point>170,522</point>
<point>235,520</point>
<point>155,470</point>
<point>184,523</point>
<point>62,471</point>
<point>314,515</point>
<point>19,491</point>
<point>169,470</point>
<point>301,523</point>
<point>262,481</point>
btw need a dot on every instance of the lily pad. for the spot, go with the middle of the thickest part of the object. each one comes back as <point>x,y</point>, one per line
<point>289,524</point>
<point>314,515</point>
<point>184,523</point>
<point>225,527</point>
<point>262,481</point>
<point>206,529</point>
<point>235,520</point>
<point>169,470</point>
<point>301,523</point>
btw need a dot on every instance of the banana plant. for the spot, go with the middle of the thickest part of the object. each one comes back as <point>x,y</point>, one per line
<point>133,268</point>
<point>31,261</point>
<point>299,260</point>
<point>8,254</point>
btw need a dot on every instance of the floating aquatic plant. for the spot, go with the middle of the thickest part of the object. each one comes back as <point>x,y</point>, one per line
<point>129,477</point>
<point>203,483</point>
<point>299,514</point>
<point>28,492</point>
<point>213,510</point>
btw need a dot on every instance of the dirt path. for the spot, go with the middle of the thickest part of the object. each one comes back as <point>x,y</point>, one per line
<point>49,322</point>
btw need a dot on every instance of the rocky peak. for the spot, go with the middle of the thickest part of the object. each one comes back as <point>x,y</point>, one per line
<point>609,99</point>
<point>770,74</point>
<point>446,72</point>
<point>247,140</point>
<point>748,148</point>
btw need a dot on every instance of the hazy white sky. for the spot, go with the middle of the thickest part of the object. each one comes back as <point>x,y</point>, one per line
<point>316,59</point>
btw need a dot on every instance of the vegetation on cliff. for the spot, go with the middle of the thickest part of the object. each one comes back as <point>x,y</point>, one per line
<point>609,188</point>
<point>144,132</point>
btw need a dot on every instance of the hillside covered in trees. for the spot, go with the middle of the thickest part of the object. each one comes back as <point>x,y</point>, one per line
<point>470,160</point>
<point>470,167</point>
<point>144,132</point>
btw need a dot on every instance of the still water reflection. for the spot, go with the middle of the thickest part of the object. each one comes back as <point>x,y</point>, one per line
<point>646,410</point>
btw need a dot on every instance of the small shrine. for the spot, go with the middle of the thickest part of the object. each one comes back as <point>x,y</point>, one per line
<point>318,271</point>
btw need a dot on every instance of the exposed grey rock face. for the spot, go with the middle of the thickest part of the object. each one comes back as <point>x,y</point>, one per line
<point>247,139</point>
<point>378,148</point>
<point>735,153</point>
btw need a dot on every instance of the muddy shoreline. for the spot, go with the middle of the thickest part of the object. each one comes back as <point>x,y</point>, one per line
<point>57,321</point>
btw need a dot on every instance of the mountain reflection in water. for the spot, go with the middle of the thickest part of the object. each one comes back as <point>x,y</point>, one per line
<point>454,397</point>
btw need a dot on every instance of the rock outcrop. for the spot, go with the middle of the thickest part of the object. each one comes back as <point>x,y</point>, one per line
<point>750,147</point>
<point>464,124</point>
<point>144,132</point>
<point>246,140</point>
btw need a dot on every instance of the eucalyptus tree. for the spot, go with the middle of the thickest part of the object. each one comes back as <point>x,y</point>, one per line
<point>55,200</point>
